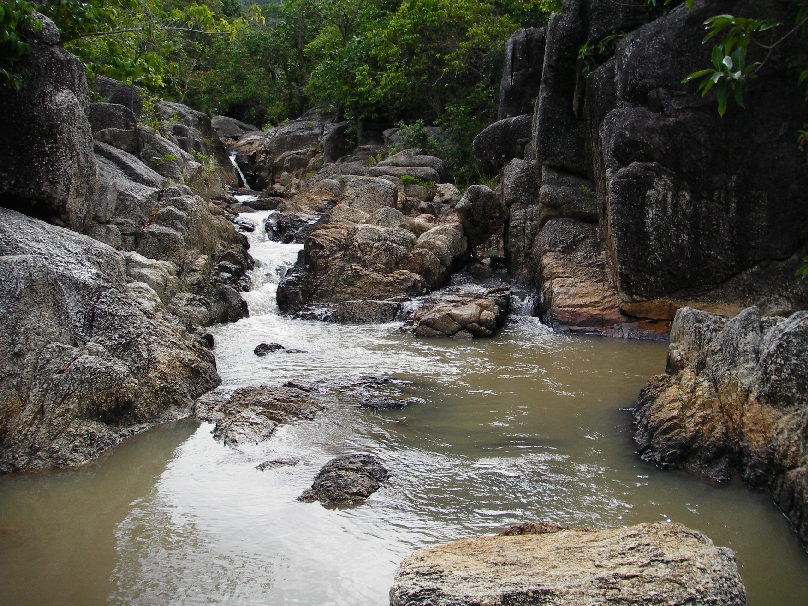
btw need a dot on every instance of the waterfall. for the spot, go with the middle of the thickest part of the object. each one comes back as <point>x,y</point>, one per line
<point>241,176</point>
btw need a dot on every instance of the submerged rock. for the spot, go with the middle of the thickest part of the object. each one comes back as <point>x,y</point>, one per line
<point>347,480</point>
<point>252,414</point>
<point>263,349</point>
<point>734,401</point>
<point>663,564</point>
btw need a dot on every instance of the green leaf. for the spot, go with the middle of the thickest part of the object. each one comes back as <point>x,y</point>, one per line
<point>721,96</point>
<point>698,74</point>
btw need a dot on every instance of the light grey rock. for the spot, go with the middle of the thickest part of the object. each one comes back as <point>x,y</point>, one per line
<point>660,564</point>
<point>83,364</point>
<point>369,194</point>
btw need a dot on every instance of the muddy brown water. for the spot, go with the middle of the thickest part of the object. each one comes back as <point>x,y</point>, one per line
<point>530,426</point>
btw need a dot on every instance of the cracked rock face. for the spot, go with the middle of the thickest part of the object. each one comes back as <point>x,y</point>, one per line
<point>463,315</point>
<point>663,564</point>
<point>734,401</point>
<point>83,363</point>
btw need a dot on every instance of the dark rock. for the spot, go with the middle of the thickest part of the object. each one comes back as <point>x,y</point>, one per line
<point>365,311</point>
<point>463,315</point>
<point>734,401</point>
<point>47,168</point>
<point>481,213</point>
<point>84,364</point>
<point>347,480</point>
<point>292,350</point>
<point>130,96</point>
<point>336,142</point>
<point>502,141</point>
<point>110,115</point>
<point>265,348</point>
<point>289,227</point>
<point>230,129</point>
<point>521,72</point>
<point>656,564</point>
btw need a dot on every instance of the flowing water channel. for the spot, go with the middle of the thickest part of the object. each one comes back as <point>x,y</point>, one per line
<point>531,425</point>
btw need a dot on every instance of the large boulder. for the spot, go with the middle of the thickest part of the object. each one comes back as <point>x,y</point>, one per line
<point>481,212</point>
<point>365,248</point>
<point>521,72</point>
<point>47,167</point>
<point>502,141</point>
<point>230,130</point>
<point>663,564</point>
<point>734,401</point>
<point>87,358</point>
<point>462,315</point>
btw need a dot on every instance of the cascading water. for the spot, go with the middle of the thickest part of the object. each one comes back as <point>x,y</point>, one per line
<point>528,426</point>
<point>242,178</point>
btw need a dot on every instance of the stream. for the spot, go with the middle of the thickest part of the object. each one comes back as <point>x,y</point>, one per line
<point>531,425</point>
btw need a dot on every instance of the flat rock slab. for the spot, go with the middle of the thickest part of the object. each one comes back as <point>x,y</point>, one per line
<point>665,564</point>
<point>347,480</point>
<point>252,414</point>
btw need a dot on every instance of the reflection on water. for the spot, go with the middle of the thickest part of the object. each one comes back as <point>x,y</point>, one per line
<point>529,426</point>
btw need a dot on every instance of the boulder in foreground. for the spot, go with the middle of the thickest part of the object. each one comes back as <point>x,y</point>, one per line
<point>640,565</point>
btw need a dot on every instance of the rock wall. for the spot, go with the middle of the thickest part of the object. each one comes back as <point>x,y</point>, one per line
<point>44,130</point>
<point>101,331</point>
<point>635,196</point>
<point>86,359</point>
<point>734,401</point>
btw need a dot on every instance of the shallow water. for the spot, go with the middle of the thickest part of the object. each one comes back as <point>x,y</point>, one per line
<point>529,426</point>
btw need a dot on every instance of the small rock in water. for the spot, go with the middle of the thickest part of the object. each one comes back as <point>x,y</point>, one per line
<point>295,351</point>
<point>265,348</point>
<point>388,403</point>
<point>244,224</point>
<point>276,463</point>
<point>347,480</point>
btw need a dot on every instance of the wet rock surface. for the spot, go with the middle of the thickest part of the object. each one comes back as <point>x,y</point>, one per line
<point>252,414</point>
<point>463,315</point>
<point>734,401</point>
<point>347,480</point>
<point>665,564</point>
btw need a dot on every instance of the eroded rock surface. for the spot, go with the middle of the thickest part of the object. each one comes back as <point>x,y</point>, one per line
<point>664,564</point>
<point>87,358</point>
<point>347,480</point>
<point>252,414</point>
<point>463,315</point>
<point>734,401</point>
